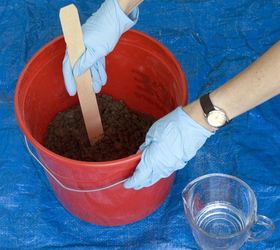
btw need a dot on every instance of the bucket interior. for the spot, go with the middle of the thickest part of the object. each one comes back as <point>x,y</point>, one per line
<point>140,72</point>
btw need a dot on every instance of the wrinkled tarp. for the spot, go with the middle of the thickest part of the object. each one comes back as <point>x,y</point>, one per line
<point>213,40</point>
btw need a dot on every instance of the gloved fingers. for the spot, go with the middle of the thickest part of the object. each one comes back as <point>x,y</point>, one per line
<point>96,81</point>
<point>140,175</point>
<point>146,173</point>
<point>69,80</point>
<point>102,71</point>
<point>146,184</point>
<point>142,147</point>
<point>149,181</point>
<point>157,162</point>
<point>99,76</point>
<point>147,142</point>
<point>85,62</point>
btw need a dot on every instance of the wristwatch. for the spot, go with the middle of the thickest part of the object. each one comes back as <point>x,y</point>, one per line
<point>215,117</point>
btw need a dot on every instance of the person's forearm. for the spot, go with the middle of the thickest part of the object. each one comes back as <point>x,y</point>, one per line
<point>129,5</point>
<point>255,85</point>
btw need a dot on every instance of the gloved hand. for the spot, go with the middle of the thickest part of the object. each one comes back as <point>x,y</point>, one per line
<point>170,143</point>
<point>101,34</point>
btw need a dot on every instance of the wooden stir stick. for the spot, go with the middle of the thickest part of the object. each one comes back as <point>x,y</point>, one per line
<point>73,36</point>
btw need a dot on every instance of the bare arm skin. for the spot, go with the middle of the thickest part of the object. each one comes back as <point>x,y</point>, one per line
<point>128,5</point>
<point>253,86</point>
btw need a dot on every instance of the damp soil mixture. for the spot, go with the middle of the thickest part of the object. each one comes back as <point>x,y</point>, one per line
<point>124,132</point>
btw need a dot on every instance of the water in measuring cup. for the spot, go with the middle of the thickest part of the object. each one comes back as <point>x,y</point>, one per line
<point>220,219</point>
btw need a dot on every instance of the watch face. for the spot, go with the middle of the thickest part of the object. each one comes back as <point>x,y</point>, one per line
<point>216,118</point>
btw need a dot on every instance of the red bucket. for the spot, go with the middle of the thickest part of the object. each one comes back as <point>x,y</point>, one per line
<point>141,72</point>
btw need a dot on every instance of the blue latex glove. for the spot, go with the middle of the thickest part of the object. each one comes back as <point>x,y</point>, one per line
<point>170,143</point>
<point>101,34</point>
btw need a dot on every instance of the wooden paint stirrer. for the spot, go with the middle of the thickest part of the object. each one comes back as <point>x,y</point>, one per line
<point>73,36</point>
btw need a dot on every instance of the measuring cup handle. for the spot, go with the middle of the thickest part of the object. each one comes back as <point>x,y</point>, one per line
<point>262,229</point>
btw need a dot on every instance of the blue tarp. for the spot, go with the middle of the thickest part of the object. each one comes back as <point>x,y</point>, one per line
<point>213,40</point>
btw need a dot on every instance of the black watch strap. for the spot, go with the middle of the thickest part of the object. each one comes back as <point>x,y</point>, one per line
<point>206,104</point>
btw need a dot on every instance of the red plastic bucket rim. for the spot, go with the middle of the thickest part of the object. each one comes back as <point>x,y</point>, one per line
<point>112,163</point>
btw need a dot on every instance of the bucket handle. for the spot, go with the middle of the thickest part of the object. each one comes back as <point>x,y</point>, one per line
<point>60,183</point>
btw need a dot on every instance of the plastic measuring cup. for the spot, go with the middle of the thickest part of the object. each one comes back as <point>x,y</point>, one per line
<point>221,210</point>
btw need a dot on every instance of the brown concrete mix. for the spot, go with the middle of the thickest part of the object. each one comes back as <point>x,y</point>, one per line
<point>124,132</point>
